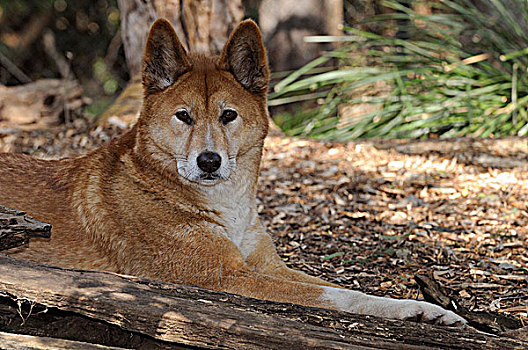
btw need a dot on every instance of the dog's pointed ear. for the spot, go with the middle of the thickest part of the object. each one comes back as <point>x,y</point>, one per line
<point>244,56</point>
<point>165,58</point>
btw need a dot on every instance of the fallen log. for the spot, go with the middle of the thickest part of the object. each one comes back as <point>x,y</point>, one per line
<point>16,228</point>
<point>39,104</point>
<point>170,314</point>
<point>28,342</point>
<point>503,153</point>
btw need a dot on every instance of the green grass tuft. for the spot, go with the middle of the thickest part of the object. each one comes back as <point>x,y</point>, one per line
<point>464,72</point>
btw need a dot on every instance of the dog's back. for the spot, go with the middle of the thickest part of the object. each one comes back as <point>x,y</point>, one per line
<point>41,187</point>
<point>44,189</point>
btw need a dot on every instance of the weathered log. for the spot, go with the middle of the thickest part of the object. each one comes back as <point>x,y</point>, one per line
<point>16,228</point>
<point>39,104</point>
<point>505,153</point>
<point>126,106</point>
<point>177,314</point>
<point>28,342</point>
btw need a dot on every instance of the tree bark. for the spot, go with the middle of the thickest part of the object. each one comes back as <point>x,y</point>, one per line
<point>170,314</point>
<point>285,24</point>
<point>202,26</point>
<point>16,228</point>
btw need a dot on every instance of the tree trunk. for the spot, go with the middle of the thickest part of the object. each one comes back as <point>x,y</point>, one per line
<point>285,24</point>
<point>125,311</point>
<point>202,26</point>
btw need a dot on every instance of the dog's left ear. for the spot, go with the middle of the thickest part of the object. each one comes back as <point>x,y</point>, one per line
<point>244,56</point>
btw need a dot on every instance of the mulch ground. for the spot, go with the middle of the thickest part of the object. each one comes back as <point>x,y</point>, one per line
<point>370,215</point>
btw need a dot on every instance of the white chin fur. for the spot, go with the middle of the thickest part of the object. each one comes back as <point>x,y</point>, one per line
<point>209,182</point>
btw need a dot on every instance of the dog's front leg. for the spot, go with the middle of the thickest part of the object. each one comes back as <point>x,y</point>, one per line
<point>401,309</point>
<point>264,259</point>
<point>204,256</point>
<point>260,254</point>
<point>325,296</point>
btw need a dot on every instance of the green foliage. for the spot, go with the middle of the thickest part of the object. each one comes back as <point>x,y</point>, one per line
<point>86,35</point>
<point>462,72</point>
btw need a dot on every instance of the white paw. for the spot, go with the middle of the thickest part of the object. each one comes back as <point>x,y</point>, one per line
<point>421,311</point>
<point>409,310</point>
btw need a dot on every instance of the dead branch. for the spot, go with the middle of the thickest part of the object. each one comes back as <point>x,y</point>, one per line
<point>50,47</point>
<point>13,69</point>
<point>484,321</point>
<point>16,228</point>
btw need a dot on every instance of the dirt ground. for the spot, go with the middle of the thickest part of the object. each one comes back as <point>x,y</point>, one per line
<point>370,215</point>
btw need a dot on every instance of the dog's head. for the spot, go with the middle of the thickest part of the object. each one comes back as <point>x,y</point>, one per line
<point>201,114</point>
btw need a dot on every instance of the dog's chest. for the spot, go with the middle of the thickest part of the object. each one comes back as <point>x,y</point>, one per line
<point>237,213</point>
<point>237,218</point>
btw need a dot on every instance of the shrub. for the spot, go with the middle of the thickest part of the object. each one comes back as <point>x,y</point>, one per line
<point>463,72</point>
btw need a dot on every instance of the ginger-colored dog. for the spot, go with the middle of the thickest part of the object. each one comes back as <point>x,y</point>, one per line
<point>174,198</point>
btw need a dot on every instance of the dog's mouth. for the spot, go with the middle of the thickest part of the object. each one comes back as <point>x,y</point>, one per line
<point>209,178</point>
<point>203,178</point>
<point>192,172</point>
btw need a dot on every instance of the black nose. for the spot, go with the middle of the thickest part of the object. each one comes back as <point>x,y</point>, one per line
<point>209,161</point>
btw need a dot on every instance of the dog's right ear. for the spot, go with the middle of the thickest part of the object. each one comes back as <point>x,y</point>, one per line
<point>165,58</point>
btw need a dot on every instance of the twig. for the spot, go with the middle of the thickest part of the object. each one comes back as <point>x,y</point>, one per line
<point>13,69</point>
<point>50,47</point>
<point>113,49</point>
<point>484,321</point>
<point>19,310</point>
<point>63,65</point>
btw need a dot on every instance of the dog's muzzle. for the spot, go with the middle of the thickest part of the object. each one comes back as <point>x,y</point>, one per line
<point>209,162</point>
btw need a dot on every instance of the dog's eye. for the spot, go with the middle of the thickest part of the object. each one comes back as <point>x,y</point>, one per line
<point>184,117</point>
<point>228,116</point>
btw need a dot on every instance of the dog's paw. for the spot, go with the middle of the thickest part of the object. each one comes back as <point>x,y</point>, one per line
<point>400,309</point>
<point>420,311</point>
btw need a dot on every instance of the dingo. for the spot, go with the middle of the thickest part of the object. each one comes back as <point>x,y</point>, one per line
<point>174,198</point>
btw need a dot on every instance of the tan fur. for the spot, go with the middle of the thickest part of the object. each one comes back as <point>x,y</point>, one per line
<point>140,205</point>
